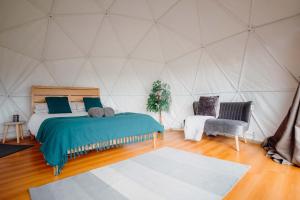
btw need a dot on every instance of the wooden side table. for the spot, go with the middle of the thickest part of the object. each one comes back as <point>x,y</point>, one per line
<point>19,130</point>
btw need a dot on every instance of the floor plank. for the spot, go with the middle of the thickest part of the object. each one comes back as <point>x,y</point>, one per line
<point>265,179</point>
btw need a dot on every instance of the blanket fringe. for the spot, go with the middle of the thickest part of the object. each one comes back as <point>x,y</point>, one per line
<point>100,146</point>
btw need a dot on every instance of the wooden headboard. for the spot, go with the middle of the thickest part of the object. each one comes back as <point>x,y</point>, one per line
<point>74,94</point>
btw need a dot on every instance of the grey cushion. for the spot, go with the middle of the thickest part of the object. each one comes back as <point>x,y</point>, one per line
<point>206,106</point>
<point>235,111</point>
<point>235,127</point>
<point>96,112</point>
<point>109,112</point>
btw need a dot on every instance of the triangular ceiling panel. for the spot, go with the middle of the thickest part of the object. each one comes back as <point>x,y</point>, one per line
<point>228,54</point>
<point>7,109</point>
<point>261,72</point>
<point>105,4</point>
<point>216,23</point>
<point>174,45</point>
<point>129,30</point>
<point>24,105</point>
<point>130,103</point>
<point>17,12</point>
<point>59,45</point>
<point>13,66</point>
<point>43,5</point>
<point>2,90</point>
<point>185,68</point>
<point>177,87</point>
<point>39,76</point>
<point>159,7</point>
<point>283,39</point>
<point>81,28</point>
<point>276,9</point>
<point>88,78</point>
<point>270,108</point>
<point>148,72</point>
<point>107,101</point>
<point>27,39</point>
<point>108,69</point>
<point>59,68</point>
<point>76,6</point>
<point>210,78</point>
<point>2,100</point>
<point>239,8</point>
<point>107,43</point>
<point>134,8</point>
<point>184,19</point>
<point>128,81</point>
<point>149,48</point>
<point>182,106</point>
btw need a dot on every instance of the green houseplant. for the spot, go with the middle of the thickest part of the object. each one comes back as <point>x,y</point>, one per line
<point>159,99</point>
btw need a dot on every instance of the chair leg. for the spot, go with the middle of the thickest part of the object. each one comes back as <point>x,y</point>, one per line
<point>237,145</point>
<point>245,140</point>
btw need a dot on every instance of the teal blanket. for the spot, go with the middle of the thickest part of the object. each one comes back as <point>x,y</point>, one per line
<point>58,135</point>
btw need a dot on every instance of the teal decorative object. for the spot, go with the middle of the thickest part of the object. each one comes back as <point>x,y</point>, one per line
<point>58,105</point>
<point>159,99</point>
<point>92,102</point>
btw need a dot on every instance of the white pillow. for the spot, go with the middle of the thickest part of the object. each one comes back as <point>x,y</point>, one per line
<point>80,106</point>
<point>41,108</point>
<point>73,107</point>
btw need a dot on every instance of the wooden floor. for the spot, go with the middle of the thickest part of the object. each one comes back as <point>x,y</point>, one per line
<point>265,180</point>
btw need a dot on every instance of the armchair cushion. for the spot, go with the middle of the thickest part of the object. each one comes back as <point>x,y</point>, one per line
<point>235,127</point>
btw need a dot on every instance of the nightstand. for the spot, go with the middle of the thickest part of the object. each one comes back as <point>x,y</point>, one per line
<point>19,130</point>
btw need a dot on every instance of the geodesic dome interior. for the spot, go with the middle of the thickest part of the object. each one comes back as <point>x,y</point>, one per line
<point>239,49</point>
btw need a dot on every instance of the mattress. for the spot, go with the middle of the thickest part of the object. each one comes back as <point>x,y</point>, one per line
<point>37,119</point>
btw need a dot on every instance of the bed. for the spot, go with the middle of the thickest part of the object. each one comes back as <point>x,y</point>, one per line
<point>69,135</point>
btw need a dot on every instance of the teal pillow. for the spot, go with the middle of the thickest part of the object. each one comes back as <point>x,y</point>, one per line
<point>91,102</point>
<point>58,105</point>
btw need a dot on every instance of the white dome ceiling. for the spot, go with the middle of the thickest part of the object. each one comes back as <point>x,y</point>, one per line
<point>239,49</point>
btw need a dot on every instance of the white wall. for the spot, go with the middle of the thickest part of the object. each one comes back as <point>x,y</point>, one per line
<point>238,49</point>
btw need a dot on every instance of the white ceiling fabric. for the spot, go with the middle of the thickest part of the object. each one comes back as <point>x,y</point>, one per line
<point>239,49</point>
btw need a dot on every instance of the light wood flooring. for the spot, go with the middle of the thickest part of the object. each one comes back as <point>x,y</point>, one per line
<point>265,179</point>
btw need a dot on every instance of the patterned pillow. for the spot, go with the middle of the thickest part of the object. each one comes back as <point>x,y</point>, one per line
<point>208,105</point>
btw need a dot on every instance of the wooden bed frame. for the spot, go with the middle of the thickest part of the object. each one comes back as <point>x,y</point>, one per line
<point>74,94</point>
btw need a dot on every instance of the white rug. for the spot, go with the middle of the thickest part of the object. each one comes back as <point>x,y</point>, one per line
<point>166,173</point>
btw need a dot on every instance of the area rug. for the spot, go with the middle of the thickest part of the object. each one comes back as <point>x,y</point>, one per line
<point>166,173</point>
<point>7,149</point>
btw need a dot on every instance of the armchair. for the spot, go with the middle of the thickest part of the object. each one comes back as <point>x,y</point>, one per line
<point>234,118</point>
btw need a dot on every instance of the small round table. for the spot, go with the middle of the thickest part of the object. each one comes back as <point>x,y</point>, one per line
<point>19,130</point>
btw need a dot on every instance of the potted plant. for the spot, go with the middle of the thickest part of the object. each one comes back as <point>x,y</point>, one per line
<point>159,99</point>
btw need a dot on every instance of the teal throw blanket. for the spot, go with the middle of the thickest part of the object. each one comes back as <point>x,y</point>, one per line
<point>58,135</point>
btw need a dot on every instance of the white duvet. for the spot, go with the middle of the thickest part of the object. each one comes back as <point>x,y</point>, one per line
<point>37,119</point>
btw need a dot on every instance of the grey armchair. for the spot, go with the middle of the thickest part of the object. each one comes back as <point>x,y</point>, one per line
<point>234,118</point>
